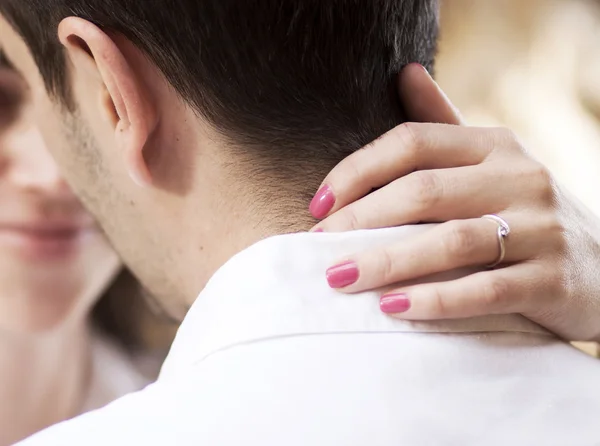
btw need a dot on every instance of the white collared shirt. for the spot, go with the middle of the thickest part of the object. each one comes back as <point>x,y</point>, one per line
<point>269,355</point>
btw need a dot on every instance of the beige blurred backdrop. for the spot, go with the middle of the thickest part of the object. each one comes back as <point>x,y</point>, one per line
<point>534,66</point>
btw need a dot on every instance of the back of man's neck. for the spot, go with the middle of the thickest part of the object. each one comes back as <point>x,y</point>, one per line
<point>235,225</point>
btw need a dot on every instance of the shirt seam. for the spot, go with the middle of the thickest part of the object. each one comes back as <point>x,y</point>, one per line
<point>296,335</point>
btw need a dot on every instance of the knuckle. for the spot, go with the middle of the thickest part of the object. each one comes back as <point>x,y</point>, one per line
<point>438,307</point>
<point>563,237</point>
<point>349,171</point>
<point>495,293</point>
<point>557,234</point>
<point>409,135</point>
<point>387,267</point>
<point>459,241</point>
<point>544,184</point>
<point>427,189</point>
<point>356,163</point>
<point>351,220</point>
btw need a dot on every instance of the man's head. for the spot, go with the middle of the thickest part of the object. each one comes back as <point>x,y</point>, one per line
<point>186,125</point>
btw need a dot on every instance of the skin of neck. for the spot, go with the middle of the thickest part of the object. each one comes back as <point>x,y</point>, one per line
<point>209,200</point>
<point>184,194</point>
<point>43,379</point>
<point>243,210</point>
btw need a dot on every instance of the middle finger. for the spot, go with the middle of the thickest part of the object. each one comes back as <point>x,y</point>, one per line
<point>432,196</point>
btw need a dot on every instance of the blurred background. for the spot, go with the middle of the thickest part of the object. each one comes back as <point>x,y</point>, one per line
<point>533,66</point>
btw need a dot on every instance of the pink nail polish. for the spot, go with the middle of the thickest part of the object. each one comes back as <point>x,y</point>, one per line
<point>322,203</point>
<point>418,65</point>
<point>342,275</point>
<point>394,303</point>
<point>318,230</point>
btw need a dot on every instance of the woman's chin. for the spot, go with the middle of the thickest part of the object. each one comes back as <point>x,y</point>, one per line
<point>41,297</point>
<point>33,316</point>
<point>42,306</point>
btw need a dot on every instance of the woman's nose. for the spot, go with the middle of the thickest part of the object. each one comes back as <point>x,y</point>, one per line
<point>31,167</point>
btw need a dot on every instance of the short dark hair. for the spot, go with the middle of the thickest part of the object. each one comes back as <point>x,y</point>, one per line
<point>299,79</point>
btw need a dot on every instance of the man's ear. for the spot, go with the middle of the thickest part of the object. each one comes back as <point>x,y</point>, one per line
<point>125,100</point>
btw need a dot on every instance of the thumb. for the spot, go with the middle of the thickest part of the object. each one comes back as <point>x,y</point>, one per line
<point>422,98</point>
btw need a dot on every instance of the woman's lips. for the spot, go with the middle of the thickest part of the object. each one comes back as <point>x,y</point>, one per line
<point>45,240</point>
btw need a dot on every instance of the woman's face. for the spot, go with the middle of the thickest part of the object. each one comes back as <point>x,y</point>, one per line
<point>54,261</point>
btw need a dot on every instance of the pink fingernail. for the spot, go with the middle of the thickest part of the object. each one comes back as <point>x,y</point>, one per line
<point>342,275</point>
<point>394,303</point>
<point>417,64</point>
<point>318,230</point>
<point>322,203</point>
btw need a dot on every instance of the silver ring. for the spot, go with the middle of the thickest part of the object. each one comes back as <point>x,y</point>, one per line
<point>502,233</point>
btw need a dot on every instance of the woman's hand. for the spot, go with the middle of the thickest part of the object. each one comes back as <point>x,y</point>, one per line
<point>454,174</point>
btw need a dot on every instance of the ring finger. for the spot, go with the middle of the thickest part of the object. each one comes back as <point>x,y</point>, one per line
<point>449,246</point>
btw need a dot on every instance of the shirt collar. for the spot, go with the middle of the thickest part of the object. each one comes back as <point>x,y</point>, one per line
<point>277,288</point>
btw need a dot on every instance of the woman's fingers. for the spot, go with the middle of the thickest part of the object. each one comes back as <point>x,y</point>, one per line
<point>449,246</point>
<point>432,196</point>
<point>514,289</point>
<point>404,149</point>
<point>423,100</point>
<point>439,173</point>
<point>512,181</point>
<point>401,150</point>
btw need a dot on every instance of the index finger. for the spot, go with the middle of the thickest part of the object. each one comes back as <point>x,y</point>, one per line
<point>423,101</point>
<point>401,151</point>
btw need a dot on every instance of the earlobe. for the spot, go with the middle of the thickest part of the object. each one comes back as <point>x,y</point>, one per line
<point>135,163</point>
<point>124,99</point>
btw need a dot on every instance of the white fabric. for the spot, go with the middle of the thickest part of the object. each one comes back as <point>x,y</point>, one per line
<point>270,356</point>
<point>114,374</point>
